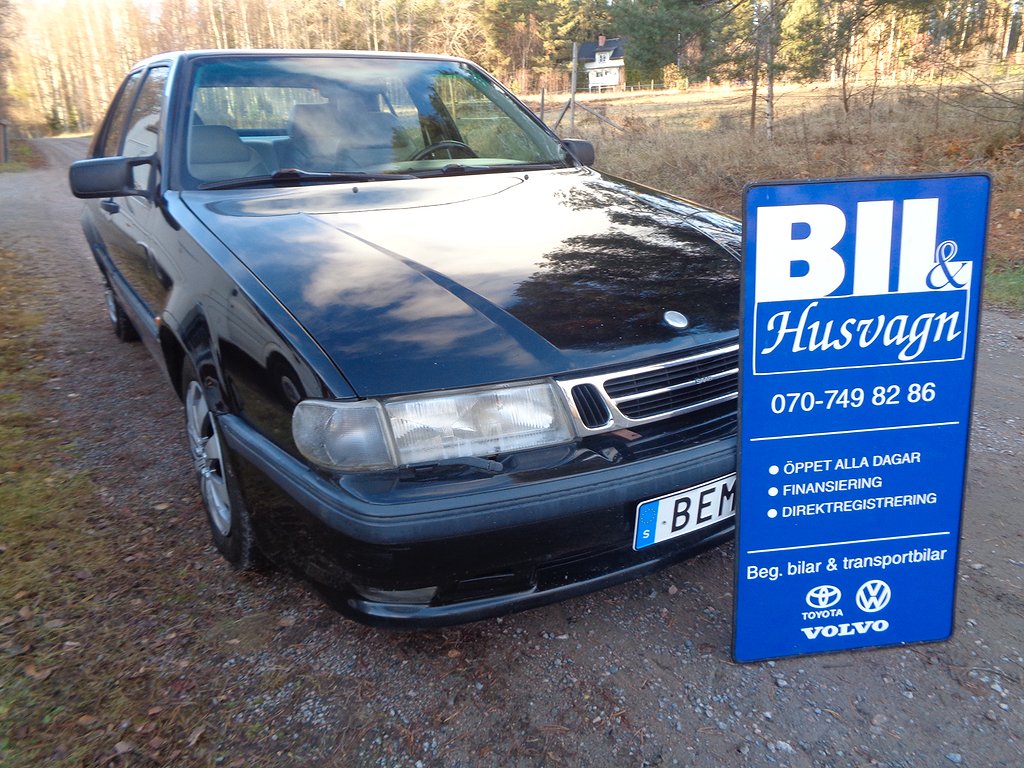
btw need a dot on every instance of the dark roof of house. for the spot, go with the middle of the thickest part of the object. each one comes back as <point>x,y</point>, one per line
<point>589,51</point>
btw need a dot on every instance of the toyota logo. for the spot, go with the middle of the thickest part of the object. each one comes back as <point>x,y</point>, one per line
<point>873,596</point>
<point>824,596</point>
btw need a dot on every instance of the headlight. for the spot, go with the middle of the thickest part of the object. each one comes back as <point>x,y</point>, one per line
<point>371,435</point>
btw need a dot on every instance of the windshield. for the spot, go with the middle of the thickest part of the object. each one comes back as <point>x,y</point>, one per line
<point>253,117</point>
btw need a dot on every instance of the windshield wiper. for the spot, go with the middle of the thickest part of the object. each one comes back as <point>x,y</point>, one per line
<point>537,166</point>
<point>287,177</point>
<point>460,169</point>
<point>456,169</point>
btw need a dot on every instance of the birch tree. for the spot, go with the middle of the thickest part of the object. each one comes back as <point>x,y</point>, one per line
<point>6,35</point>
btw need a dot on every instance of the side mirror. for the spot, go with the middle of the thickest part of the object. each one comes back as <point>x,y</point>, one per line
<point>582,150</point>
<point>106,177</point>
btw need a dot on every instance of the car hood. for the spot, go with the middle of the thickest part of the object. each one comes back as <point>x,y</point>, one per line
<point>425,284</point>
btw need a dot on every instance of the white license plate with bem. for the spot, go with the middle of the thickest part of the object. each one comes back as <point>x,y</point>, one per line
<point>685,511</point>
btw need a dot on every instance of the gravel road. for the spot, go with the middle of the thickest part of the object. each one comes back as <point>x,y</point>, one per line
<point>638,675</point>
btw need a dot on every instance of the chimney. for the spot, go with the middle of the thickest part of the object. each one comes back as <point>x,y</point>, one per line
<point>600,41</point>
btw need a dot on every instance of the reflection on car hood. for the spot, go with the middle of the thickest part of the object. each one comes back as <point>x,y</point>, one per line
<point>451,282</point>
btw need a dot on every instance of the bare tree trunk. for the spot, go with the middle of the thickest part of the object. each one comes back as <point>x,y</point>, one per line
<point>572,95</point>
<point>1013,31</point>
<point>272,27</point>
<point>769,112</point>
<point>755,70</point>
<point>844,81</point>
<point>96,80</point>
<point>213,12</point>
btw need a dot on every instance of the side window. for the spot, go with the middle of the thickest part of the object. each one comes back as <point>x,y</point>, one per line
<point>109,144</point>
<point>143,129</point>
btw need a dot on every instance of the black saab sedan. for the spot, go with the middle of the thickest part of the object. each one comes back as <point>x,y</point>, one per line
<point>430,359</point>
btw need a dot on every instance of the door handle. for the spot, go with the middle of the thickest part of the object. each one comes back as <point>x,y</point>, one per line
<point>110,206</point>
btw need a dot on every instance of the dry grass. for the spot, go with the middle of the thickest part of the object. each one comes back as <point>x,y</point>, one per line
<point>92,672</point>
<point>699,145</point>
<point>23,156</point>
<point>44,509</point>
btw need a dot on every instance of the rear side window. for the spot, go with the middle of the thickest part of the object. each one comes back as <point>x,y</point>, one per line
<point>109,143</point>
<point>251,110</point>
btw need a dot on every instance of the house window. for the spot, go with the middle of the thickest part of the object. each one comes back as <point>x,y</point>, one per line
<point>602,58</point>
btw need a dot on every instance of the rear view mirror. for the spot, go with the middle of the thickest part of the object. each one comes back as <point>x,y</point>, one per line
<point>582,150</point>
<point>105,177</point>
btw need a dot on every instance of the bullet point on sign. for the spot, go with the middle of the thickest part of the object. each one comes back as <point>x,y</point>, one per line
<point>773,469</point>
<point>773,491</point>
<point>773,513</point>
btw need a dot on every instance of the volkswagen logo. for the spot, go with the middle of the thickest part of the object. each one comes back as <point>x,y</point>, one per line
<point>676,320</point>
<point>824,596</point>
<point>873,596</point>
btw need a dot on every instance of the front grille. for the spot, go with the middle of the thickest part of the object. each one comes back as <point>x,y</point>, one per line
<point>591,408</point>
<point>653,392</point>
<point>680,374</point>
<point>680,386</point>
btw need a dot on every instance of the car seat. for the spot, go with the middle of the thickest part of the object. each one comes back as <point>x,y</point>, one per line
<point>217,153</point>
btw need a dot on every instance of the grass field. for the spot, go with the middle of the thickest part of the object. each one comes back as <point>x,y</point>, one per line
<point>698,144</point>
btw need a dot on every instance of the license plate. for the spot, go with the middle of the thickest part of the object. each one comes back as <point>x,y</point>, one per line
<point>685,511</point>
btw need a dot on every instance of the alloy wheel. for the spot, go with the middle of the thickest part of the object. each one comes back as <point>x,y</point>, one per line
<point>112,308</point>
<point>208,457</point>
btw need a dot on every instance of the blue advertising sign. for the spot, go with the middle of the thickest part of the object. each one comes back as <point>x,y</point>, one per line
<point>860,306</point>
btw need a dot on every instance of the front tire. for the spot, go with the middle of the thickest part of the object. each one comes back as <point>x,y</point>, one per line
<point>226,513</point>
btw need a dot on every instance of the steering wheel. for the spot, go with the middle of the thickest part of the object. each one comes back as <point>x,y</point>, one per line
<point>461,148</point>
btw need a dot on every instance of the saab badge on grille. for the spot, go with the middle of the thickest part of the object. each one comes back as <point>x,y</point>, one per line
<point>675,320</point>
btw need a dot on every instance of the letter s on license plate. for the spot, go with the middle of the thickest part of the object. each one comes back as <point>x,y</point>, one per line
<point>684,512</point>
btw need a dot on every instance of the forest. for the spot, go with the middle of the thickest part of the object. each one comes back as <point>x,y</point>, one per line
<point>60,60</point>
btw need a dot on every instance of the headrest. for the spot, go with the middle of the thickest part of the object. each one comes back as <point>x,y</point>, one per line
<point>319,120</point>
<point>216,144</point>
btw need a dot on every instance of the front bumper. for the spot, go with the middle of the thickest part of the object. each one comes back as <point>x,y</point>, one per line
<point>612,570</point>
<point>507,547</point>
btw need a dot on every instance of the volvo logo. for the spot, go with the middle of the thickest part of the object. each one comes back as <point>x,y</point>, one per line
<point>845,630</point>
<point>824,596</point>
<point>676,320</point>
<point>873,596</point>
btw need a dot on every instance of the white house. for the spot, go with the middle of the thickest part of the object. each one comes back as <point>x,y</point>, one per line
<point>604,63</point>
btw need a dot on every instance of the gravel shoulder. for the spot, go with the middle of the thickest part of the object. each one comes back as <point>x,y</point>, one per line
<point>255,670</point>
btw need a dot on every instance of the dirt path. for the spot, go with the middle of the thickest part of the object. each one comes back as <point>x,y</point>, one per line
<point>259,672</point>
